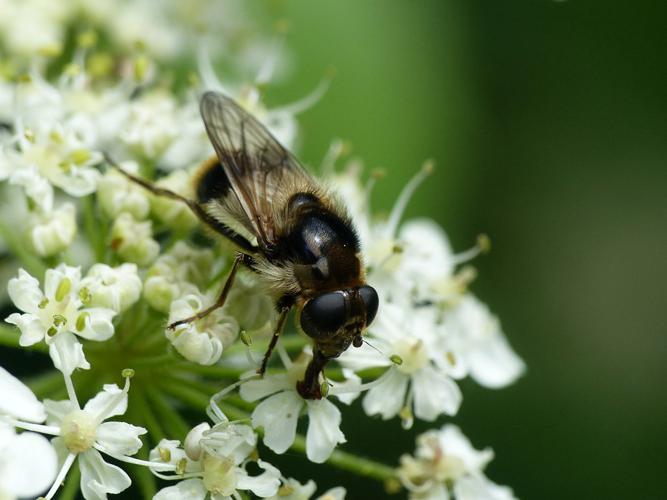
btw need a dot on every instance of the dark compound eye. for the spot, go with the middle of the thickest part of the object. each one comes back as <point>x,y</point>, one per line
<point>324,315</point>
<point>371,301</point>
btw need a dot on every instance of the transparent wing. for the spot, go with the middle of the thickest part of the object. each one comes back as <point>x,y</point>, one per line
<point>254,161</point>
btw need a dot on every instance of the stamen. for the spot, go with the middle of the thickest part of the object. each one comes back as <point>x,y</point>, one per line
<point>136,461</point>
<point>81,321</point>
<point>67,464</point>
<point>63,289</point>
<point>335,151</point>
<point>213,410</point>
<point>245,338</point>
<point>268,67</point>
<point>307,101</point>
<point>406,194</point>
<point>482,246</point>
<point>205,67</point>
<point>29,426</point>
<point>284,357</point>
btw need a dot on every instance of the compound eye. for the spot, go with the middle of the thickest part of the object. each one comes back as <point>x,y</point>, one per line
<point>371,301</point>
<point>324,315</point>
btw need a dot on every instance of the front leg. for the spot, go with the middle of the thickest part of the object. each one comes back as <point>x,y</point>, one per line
<point>309,387</point>
<point>284,309</point>
<point>240,259</point>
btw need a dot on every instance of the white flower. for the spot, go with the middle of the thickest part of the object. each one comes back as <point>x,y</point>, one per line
<point>445,460</point>
<point>215,460</point>
<point>133,240</point>
<point>28,464</point>
<point>293,490</point>
<point>152,125</point>
<point>478,343</point>
<point>57,315</point>
<point>24,452</point>
<point>279,412</point>
<point>51,232</point>
<point>117,194</point>
<point>423,380</point>
<point>114,288</point>
<point>60,152</point>
<point>176,273</point>
<point>203,340</point>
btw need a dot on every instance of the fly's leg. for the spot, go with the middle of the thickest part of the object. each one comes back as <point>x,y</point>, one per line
<point>240,259</point>
<point>309,387</point>
<point>274,340</point>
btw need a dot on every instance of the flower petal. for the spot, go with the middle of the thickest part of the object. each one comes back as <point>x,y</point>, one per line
<point>99,478</point>
<point>388,396</point>
<point>323,430</point>
<point>98,325</point>
<point>479,487</point>
<point>435,393</point>
<point>264,485</point>
<point>111,401</point>
<point>57,410</point>
<point>18,400</point>
<point>32,467</point>
<point>32,330</point>
<point>259,388</point>
<point>494,364</point>
<point>24,292</point>
<point>119,437</point>
<point>67,353</point>
<point>190,489</point>
<point>278,415</point>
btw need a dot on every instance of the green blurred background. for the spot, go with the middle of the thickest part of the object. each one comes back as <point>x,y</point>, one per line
<point>548,123</point>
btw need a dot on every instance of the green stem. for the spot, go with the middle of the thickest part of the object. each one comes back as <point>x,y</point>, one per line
<point>172,421</point>
<point>30,262</point>
<point>340,459</point>
<point>9,336</point>
<point>146,415</point>
<point>45,384</point>
<point>95,230</point>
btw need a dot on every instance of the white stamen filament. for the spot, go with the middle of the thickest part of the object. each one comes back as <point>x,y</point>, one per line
<point>305,102</point>
<point>269,66</point>
<point>213,410</point>
<point>336,390</point>
<point>334,152</point>
<point>53,430</point>
<point>404,197</point>
<point>67,464</point>
<point>209,78</point>
<point>135,461</point>
<point>284,357</point>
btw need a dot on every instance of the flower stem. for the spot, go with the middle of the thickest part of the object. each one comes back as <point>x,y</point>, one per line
<point>31,263</point>
<point>144,412</point>
<point>95,230</point>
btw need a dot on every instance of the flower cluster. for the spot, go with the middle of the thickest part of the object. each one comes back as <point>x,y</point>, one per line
<point>96,268</point>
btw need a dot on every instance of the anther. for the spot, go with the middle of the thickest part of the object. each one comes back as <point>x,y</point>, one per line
<point>43,303</point>
<point>245,338</point>
<point>396,359</point>
<point>165,454</point>
<point>81,321</point>
<point>58,320</point>
<point>63,289</point>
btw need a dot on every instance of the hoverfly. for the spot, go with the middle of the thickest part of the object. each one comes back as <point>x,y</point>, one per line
<point>290,231</point>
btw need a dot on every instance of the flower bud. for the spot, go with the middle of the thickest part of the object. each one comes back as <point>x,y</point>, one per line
<point>133,241</point>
